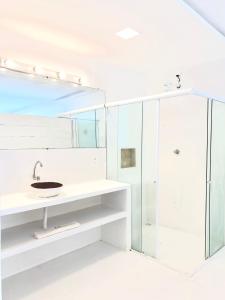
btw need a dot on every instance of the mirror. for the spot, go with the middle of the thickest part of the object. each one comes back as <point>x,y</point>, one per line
<point>89,129</point>
<point>38,112</point>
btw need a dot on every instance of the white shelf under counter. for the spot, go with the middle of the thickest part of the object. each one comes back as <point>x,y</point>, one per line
<point>20,239</point>
<point>101,207</point>
<point>107,221</point>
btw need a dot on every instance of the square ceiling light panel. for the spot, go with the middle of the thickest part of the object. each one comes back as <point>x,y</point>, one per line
<point>127,33</point>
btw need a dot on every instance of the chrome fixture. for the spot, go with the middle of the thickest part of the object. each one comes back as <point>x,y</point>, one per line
<point>178,81</point>
<point>176,151</point>
<point>34,172</point>
<point>45,218</point>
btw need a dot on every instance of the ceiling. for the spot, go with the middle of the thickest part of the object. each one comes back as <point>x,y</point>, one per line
<point>83,33</point>
<point>79,36</point>
<point>212,11</point>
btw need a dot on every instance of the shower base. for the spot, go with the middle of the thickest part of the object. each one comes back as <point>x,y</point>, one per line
<point>176,249</point>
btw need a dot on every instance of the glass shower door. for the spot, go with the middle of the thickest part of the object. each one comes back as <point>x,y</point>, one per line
<point>129,163</point>
<point>150,180</point>
<point>132,158</point>
<point>216,206</point>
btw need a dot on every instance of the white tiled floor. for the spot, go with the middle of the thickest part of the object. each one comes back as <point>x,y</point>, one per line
<point>177,249</point>
<point>101,272</point>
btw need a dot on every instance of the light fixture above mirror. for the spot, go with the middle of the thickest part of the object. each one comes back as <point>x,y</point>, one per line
<point>40,71</point>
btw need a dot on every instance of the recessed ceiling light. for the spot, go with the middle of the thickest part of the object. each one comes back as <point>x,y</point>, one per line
<point>127,33</point>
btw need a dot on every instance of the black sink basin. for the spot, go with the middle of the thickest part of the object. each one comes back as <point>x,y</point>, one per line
<point>46,185</point>
<point>47,189</point>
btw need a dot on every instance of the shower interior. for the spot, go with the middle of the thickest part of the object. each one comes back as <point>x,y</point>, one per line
<point>171,151</point>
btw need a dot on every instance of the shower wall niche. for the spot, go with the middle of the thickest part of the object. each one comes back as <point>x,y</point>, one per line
<point>178,179</point>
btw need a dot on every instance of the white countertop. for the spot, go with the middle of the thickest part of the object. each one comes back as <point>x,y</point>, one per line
<point>20,202</point>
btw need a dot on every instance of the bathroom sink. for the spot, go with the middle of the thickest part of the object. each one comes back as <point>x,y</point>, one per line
<point>47,189</point>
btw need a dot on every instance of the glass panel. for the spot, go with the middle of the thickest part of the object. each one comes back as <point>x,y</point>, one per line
<point>217,186</point>
<point>130,137</point>
<point>89,129</point>
<point>149,177</point>
<point>112,143</point>
<point>208,177</point>
<point>182,196</point>
<point>85,130</point>
<point>124,138</point>
<point>132,157</point>
<point>100,127</point>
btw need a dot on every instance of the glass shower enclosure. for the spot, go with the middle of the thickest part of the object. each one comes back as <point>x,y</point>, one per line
<point>215,225</point>
<point>170,149</point>
<point>132,149</point>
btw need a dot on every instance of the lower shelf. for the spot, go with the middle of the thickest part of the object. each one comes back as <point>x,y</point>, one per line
<point>67,277</point>
<point>20,239</point>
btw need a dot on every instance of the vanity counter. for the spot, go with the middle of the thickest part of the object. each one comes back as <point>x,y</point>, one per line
<point>21,202</point>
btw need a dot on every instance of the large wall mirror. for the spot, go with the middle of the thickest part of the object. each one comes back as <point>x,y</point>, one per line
<point>44,113</point>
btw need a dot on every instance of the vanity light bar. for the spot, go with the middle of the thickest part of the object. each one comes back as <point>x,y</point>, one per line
<point>14,65</point>
<point>38,71</point>
<point>45,72</point>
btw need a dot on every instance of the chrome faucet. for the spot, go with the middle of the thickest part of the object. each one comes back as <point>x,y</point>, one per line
<point>34,172</point>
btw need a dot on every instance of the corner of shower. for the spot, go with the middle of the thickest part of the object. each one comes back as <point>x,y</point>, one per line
<point>187,225</point>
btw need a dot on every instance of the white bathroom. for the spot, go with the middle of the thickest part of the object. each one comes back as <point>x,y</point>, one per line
<point>112,117</point>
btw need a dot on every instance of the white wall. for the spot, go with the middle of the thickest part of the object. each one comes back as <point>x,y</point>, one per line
<point>183,126</point>
<point>64,165</point>
<point>68,166</point>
